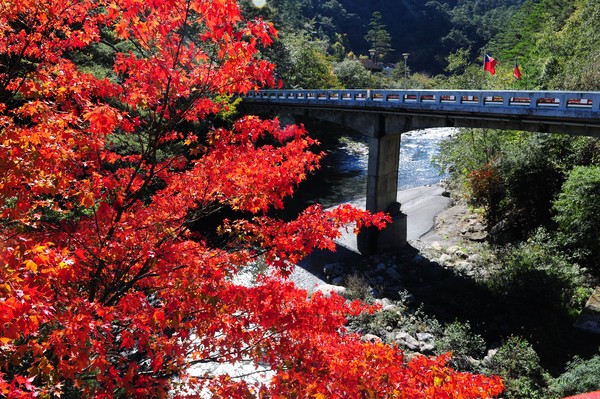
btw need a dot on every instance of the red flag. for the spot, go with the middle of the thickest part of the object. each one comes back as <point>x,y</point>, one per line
<point>517,72</point>
<point>489,64</point>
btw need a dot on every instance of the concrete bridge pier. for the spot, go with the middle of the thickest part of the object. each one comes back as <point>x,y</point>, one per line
<point>383,132</point>
<point>382,190</point>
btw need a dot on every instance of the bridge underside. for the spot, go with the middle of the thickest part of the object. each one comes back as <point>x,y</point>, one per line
<point>384,130</point>
<point>368,121</point>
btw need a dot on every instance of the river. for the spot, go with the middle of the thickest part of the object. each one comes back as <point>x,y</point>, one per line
<point>343,174</point>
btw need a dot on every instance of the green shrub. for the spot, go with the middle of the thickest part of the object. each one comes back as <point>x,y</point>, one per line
<point>463,343</point>
<point>532,177</point>
<point>537,274</point>
<point>580,376</point>
<point>578,213</point>
<point>388,322</point>
<point>357,287</point>
<point>519,365</point>
<point>352,74</point>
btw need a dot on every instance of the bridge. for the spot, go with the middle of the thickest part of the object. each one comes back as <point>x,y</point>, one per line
<point>383,115</point>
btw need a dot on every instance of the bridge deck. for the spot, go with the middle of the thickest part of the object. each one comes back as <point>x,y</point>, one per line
<point>565,111</point>
<point>556,101</point>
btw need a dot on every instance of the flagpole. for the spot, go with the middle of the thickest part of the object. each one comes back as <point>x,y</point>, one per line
<point>516,70</point>
<point>483,60</point>
<point>483,77</point>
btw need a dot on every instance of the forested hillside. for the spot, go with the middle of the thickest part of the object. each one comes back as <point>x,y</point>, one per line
<point>557,43</point>
<point>427,30</point>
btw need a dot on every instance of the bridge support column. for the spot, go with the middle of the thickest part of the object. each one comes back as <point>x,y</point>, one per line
<point>382,190</point>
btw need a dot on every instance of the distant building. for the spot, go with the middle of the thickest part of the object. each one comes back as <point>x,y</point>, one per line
<point>371,66</point>
<point>388,68</point>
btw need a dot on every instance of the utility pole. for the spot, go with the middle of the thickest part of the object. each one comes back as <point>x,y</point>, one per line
<point>405,55</point>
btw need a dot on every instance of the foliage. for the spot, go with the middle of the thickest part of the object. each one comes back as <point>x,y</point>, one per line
<point>578,211</point>
<point>535,274</point>
<point>474,23</point>
<point>460,340</point>
<point>352,74</point>
<point>551,38</point>
<point>485,189</point>
<point>378,37</point>
<point>402,317</point>
<point>458,61</point>
<point>308,65</point>
<point>532,173</point>
<point>343,25</point>
<point>469,149</point>
<point>419,81</point>
<point>518,363</point>
<point>358,287</point>
<point>580,376</point>
<point>126,291</point>
<point>515,175</point>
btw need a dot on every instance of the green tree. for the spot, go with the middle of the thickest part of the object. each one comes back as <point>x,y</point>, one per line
<point>518,362</point>
<point>515,175</point>
<point>531,167</point>
<point>306,64</point>
<point>378,37</point>
<point>352,74</point>
<point>578,213</point>
<point>474,23</point>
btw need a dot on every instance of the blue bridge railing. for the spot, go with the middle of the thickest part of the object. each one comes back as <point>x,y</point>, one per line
<point>558,103</point>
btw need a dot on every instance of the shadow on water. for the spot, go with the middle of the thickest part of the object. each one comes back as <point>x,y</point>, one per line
<point>342,173</point>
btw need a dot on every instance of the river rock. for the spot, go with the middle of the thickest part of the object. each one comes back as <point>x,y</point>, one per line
<point>372,338</point>
<point>426,342</point>
<point>338,280</point>
<point>380,268</point>
<point>383,302</point>
<point>419,259</point>
<point>405,339</point>
<point>391,308</point>
<point>457,251</point>
<point>487,360</point>
<point>333,270</point>
<point>425,337</point>
<point>445,258</point>
<point>392,274</point>
<point>327,289</point>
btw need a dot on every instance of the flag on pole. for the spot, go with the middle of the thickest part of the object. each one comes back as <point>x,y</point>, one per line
<point>489,64</point>
<point>517,72</point>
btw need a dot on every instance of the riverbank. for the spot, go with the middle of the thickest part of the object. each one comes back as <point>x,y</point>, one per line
<point>432,222</point>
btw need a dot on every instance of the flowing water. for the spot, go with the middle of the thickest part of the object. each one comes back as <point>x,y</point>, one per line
<point>343,174</point>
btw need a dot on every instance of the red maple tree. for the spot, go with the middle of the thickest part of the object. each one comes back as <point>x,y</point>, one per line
<point>108,287</point>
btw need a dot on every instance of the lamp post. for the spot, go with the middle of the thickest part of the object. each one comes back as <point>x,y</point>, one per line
<point>372,54</point>
<point>405,55</point>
